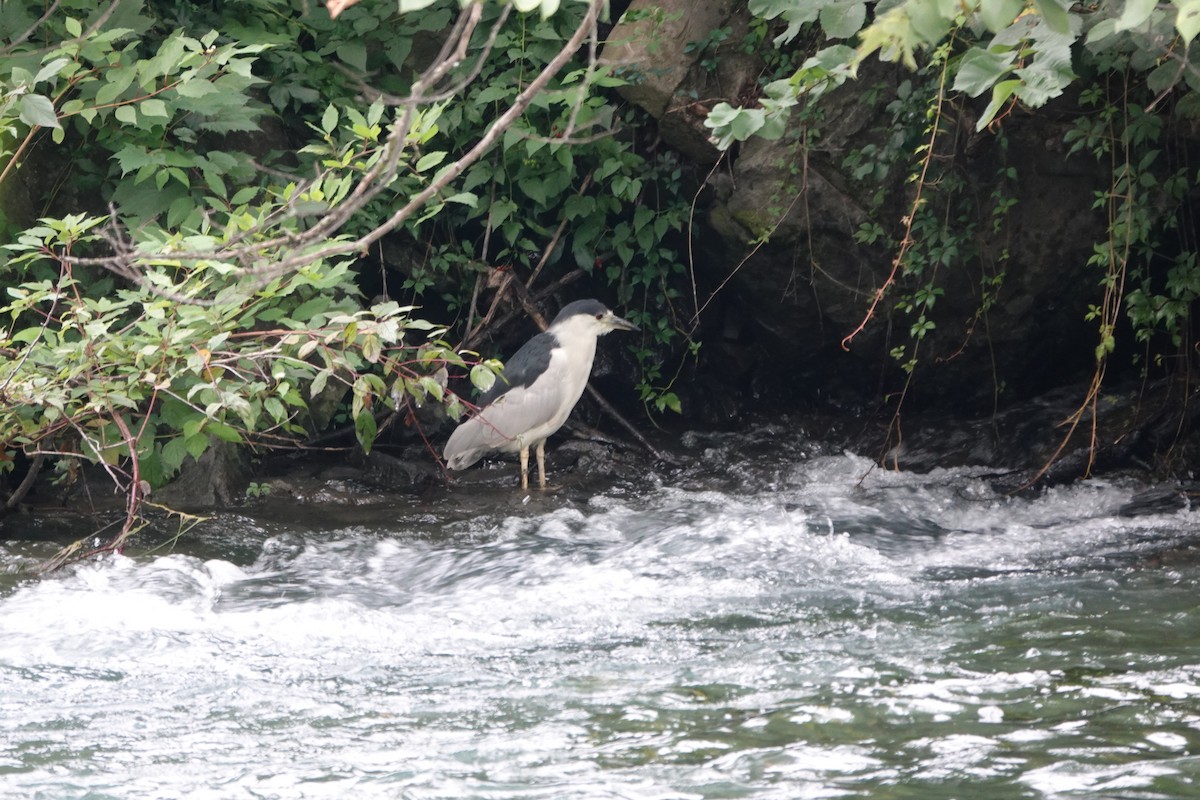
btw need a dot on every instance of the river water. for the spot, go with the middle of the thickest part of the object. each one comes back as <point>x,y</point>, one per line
<point>793,624</point>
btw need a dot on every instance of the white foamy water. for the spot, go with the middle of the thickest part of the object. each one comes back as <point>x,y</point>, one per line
<point>823,635</point>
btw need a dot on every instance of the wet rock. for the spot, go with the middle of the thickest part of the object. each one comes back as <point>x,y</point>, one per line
<point>404,472</point>
<point>597,459</point>
<point>677,69</point>
<point>1161,500</point>
<point>219,479</point>
<point>1051,439</point>
<point>811,282</point>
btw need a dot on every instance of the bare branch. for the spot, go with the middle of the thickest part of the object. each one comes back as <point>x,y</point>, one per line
<point>480,61</point>
<point>8,48</point>
<point>95,26</point>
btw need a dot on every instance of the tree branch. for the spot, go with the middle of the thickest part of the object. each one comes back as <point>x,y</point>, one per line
<point>485,143</point>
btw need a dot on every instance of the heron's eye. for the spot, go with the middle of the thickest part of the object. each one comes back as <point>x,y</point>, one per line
<point>599,316</point>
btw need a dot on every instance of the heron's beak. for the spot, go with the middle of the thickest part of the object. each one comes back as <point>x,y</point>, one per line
<point>616,323</point>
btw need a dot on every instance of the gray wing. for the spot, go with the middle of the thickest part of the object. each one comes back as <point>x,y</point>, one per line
<point>521,415</point>
<point>523,368</point>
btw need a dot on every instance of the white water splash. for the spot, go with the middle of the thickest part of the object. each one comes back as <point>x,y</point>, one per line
<point>819,639</point>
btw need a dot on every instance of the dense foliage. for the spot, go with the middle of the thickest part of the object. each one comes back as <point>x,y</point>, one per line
<point>1017,52</point>
<point>214,192</point>
<point>1135,83</point>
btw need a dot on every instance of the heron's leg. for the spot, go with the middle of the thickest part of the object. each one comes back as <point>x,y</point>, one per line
<point>524,467</point>
<point>541,457</point>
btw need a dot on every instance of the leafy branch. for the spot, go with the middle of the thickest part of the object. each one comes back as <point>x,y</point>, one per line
<point>304,247</point>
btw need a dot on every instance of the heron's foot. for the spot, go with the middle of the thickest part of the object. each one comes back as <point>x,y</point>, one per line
<point>540,486</point>
<point>536,488</point>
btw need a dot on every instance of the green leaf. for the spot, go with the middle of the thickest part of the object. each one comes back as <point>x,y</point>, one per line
<point>797,14</point>
<point>133,157</point>
<point>126,114</point>
<point>892,35</point>
<point>244,195</point>
<point>1001,93</point>
<point>196,444</point>
<point>579,206</point>
<point>193,424</point>
<point>534,188</point>
<point>482,377</point>
<point>928,20</point>
<point>430,160</point>
<point>215,182</point>
<point>51,70</point>
<point>73,26</point>
<point>431,387</point>
<point>224,432</point>
<point>1102,30</point>
<point>26,336</point>
<point>1136,12</point>
<point>1050,71</point>
<point>842,19</point>
<point>979,69</point>
<point>154,107</point>
<point>999,14</point>
<point>173,453</point>
<point>150,468</point>
<point>731,124</point>
<point>38,110</point>
<point>353,53</point>
<point>275,408</point>
<point>414,5</point>
<point>464,198</point>
<point>165,61</point>
<point>318,382</point>
<point>1187,19</point>
<point>773,127</point>
<point>116,82</point>
<point>670,400</point>
<point>195,88</point>
<point>310,308</point>
<point>329,119</point>
<point>493,93</point>
<point>372,348</point>
<point>1055,15</point>
<point>365,429</point>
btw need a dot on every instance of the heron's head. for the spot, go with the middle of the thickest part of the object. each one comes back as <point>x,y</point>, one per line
<point>591,316</point>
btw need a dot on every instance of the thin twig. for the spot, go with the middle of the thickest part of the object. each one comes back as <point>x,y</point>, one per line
<point>910,218</point>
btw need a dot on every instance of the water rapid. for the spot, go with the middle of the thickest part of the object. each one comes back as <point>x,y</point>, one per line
<point>796,626</point>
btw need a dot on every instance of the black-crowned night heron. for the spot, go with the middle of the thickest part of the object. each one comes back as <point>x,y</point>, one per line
<point>541,383</point>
